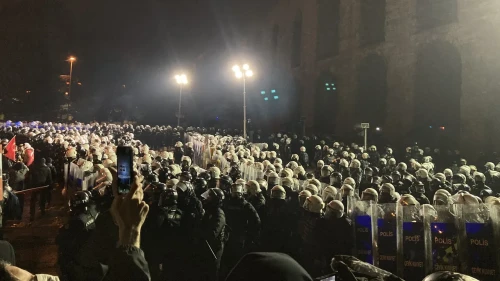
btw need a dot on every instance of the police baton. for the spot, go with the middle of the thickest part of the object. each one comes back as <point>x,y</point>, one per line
<point>210,248</point>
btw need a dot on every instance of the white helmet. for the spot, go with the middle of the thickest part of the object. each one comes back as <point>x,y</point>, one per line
<point>334,209</point>
<point>329,192</point>
<point>214,172</point>
<point>350,181</point>
<point>278,192</point>
<point>314,204</point>
<point>312,188</point>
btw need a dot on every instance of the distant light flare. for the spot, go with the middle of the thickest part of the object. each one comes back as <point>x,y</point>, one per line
<point>181,79</point>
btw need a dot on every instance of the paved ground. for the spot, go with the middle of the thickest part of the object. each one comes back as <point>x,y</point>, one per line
<point>34,244</point>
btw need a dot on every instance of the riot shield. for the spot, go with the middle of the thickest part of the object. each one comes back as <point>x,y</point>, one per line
<point>480,249</point>
<point>412,249</point>
<point>385,236</point>
<point>364,220</point>
<point>444,236</point>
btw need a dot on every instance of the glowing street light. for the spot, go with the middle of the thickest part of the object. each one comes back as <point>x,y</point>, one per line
<point>181,80</point>
<point>71,61</point>
<point>243,72</point>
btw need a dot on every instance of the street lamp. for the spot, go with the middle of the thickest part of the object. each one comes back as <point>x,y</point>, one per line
<point>243,72</point>
<point>71,60</point>
<point>181,80</point>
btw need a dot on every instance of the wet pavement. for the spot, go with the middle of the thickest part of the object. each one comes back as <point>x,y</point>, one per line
<point>34,243</point>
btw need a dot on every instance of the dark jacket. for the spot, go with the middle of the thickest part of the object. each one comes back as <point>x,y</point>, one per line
<point>17,176</point>
<point>336,238</point>
<point>258,202</point>
<point>40,175</point>
<point>242,217</point>
<point>127,263</point>
<point>212,228</point>
<point>268,266</point>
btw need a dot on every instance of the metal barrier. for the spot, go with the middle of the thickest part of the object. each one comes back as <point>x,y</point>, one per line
<point>30,195</point>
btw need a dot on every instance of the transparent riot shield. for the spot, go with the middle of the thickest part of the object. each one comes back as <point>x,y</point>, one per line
<point>444,240</point>
<point>323,186</point>
<point>385,236</point>
<point>480,249</point>
<point>259,174</point>
<point>412,249</point>
<point>363,222</point>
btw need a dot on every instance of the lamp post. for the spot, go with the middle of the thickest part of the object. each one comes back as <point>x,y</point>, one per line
<point>181,80</point>
<point>71,60</point>
<point>240,73</point>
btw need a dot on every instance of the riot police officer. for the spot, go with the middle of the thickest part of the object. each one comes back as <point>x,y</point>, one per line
<point>213,235</point>
<point>244,222</point>
<point>335,238</point>
<point>277,224</point>
<point>163,225</point>
<point>418,192</point>
<point>74,234</point>
<point>255,197</point>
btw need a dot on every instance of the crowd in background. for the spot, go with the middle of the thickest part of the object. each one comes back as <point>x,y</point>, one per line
<point>204,216</point>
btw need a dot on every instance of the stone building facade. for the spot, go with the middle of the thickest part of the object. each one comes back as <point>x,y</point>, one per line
<point>418,69</point>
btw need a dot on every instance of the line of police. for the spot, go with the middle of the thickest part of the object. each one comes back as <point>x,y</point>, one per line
<point>208,219</point>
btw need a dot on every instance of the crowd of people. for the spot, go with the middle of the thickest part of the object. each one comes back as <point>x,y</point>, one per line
<point>203,221</point>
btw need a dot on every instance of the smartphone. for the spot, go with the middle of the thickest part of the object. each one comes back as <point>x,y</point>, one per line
<point>125,159</point>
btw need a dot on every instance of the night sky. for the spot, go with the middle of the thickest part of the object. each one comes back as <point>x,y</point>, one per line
<point>127,51</point>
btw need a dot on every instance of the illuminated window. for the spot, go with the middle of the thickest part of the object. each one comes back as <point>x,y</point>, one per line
<point>263,92</point>
<point>276,97</point>
<point>273,91</point>
<point>330,86</point>
<point>266,98</point>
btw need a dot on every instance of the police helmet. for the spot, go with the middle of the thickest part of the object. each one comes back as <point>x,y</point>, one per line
<point>185,176</point>
<point>205,175</point>
<point>278,192</point>
<point>369,194</point>
<point>168,197</point>
<point>81,200</point>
